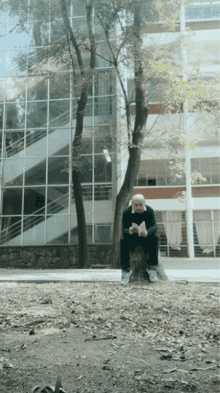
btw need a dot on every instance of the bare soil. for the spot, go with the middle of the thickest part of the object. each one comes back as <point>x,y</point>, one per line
<point>104,337</point>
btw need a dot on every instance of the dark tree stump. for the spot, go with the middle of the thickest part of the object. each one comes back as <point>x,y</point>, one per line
<point>138,263</point>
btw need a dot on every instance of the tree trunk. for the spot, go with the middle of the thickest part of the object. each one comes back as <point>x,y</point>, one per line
<point>137,139</point>
<point>82,236</point>
<point>138,263</point>
<point>81,219</point>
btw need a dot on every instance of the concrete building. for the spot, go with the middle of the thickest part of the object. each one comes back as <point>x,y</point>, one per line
<point>38,127</point>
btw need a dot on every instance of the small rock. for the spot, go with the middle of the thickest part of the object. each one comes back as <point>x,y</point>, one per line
<point>32,331</point>
<point>45,300</point>
<point>216,379</point>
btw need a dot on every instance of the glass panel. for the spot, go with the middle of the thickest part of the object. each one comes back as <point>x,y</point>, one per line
<point>34,200</point>
<point>202,215</point>
<point>74,233</point>
<point>87,193</point>
<point>161,171</point>
<point>58,172</point>
<point>80,28</point>
<point>86,169</point>
<point>205,169</point>
<point>59,110</point>
<point>39,35</point>
<point>79,9</point>
<point>63,239</point>
<point>34,228</point>
<point>58,141</point>
<point>35,171</point>
<point>86,145</point>
<point>60,85</point>
<point>55,9</point>
<point>36,143</point>
<point>37,88</point>
<point>15,115</point>
<point>11,230</point>
<point>36,56</point>
<point>31,221</point>
<point>103,139</point>
<point>37,114</point>
<point>103,83</point>
<point>13,172</point>
<point>151,173</point>
<point>216,215</point>
<point>215,170</point>
<point>57,30</point>
<point>103,106</point>
<point>57,226</point>
<point>102,234</point>
<point>39,10</point>
<point>142,181</point>
<point>57,200</point>
<point>103,168</point>
<point>15,89</point>
<point>89,107</point>
<point>99,32</point>
<point>105,60</point>
<point>14,143</point>
<point>103,193</point>
<point>15,61</point>
<point>12,200</point>
<point>59,135</point>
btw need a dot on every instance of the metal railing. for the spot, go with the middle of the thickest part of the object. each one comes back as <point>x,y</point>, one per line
<point>30,221</point>
<point>53,207</point>
<point>40,133</point>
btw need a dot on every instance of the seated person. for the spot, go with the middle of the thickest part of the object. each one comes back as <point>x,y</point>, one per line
<point>149,240</point>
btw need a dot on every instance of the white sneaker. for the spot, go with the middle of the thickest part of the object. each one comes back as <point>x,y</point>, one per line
<point>152,275</point>
<point>125,276</point>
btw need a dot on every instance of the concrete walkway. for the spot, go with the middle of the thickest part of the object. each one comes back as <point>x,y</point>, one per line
<point>207,270</point>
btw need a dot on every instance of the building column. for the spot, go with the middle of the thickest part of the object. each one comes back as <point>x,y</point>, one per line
<point>189,215</point>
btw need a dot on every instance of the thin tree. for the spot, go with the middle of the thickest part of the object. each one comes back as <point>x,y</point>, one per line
<point>86,75</point>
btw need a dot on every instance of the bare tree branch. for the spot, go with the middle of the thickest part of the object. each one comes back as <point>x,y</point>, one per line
<point>71,36</point>
<point>115,62</point>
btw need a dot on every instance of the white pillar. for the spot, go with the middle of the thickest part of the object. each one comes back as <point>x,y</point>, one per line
<point>122,136</point>
<point>189,215</point>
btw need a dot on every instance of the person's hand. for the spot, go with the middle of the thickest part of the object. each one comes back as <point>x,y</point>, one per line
<point>144,234</point>
<point>132,230</point>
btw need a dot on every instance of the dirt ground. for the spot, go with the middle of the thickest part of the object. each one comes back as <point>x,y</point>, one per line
<point>104,337</point>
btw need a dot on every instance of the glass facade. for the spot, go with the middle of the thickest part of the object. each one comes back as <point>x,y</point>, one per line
<point>37,125</point>
<point>159,173</point>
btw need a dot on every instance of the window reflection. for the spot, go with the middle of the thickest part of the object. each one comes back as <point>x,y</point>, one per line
<point>35,171</point>
<point>36,114</point>
<point>15,115</point>
<point>58,172</point>
<point>103,168</point>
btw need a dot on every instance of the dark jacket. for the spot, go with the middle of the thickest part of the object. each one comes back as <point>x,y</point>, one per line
<point>148,216</point>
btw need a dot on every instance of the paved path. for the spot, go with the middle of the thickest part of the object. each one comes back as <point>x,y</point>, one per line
<point>207,270</point>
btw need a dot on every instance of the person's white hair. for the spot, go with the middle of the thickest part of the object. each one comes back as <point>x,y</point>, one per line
<point>138,197</point>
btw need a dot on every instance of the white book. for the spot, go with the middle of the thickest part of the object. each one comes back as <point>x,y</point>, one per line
<point>141,228</point>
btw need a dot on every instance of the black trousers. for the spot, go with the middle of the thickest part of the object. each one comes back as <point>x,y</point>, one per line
<point>150,246</point>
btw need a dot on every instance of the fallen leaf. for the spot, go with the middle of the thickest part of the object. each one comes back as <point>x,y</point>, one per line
<point>202,368</point>
<point>171,370</point>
